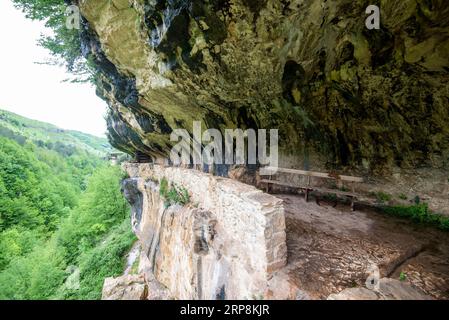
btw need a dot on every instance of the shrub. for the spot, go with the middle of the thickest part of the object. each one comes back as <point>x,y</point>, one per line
<point>173,194</point>
<point>381,197</point>
<point>402,196</point>
<point>105,260</point>
<point>419,213</point>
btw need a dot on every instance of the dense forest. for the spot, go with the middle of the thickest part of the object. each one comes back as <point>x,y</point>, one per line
<point>63,221</point>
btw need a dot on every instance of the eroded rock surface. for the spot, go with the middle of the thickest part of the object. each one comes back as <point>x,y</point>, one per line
<point>128,287</point>
<point>339,93</point>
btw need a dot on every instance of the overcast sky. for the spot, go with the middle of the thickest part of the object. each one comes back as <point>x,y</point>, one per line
<point>37,91</point>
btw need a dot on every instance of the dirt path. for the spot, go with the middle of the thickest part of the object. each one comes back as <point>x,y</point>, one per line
<point>330,249</point>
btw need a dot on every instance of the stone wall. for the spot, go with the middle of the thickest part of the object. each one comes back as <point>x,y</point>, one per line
<point>227,243</point>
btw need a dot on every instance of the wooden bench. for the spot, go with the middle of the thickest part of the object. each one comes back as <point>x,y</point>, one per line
<point>271,172</point>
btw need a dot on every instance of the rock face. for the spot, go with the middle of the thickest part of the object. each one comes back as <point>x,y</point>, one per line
<point>227,243</point>
<point>339,93</point>
<point>129,287</point>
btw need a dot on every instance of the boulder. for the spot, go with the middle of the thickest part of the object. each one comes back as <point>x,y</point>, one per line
<point>129,287</point>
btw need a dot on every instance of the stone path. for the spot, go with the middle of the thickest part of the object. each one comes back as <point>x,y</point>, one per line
<point>330,249</point>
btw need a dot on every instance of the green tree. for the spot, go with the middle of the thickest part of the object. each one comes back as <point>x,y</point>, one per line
<point>64,44</point>
<point>95,236</point>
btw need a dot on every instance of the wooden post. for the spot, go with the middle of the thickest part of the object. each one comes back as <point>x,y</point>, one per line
<point>307,188</point>
<point>270,177</point>
<point>352,198</point>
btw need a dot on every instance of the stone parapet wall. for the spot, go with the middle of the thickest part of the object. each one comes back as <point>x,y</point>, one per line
<point>226,243</point>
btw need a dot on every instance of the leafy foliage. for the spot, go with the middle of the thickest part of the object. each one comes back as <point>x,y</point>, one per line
<point>94,236</point>
<point>419,213</point>
<point>101,207</point>
<point>381,197</point>
<point>173,194</point>
<point>33,196</point>
<point>64,44</point>
<point>104,260</point>
<point>57,209</point>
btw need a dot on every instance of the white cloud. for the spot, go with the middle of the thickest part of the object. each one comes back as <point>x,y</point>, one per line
<point>36,91</point>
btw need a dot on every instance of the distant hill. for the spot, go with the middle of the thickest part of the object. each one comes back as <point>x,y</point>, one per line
<point>47,135</point>
<point>60,206</point>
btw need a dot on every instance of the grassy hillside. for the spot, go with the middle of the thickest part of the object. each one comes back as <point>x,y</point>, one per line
<point>47,135</point>
<point>60,203</point>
